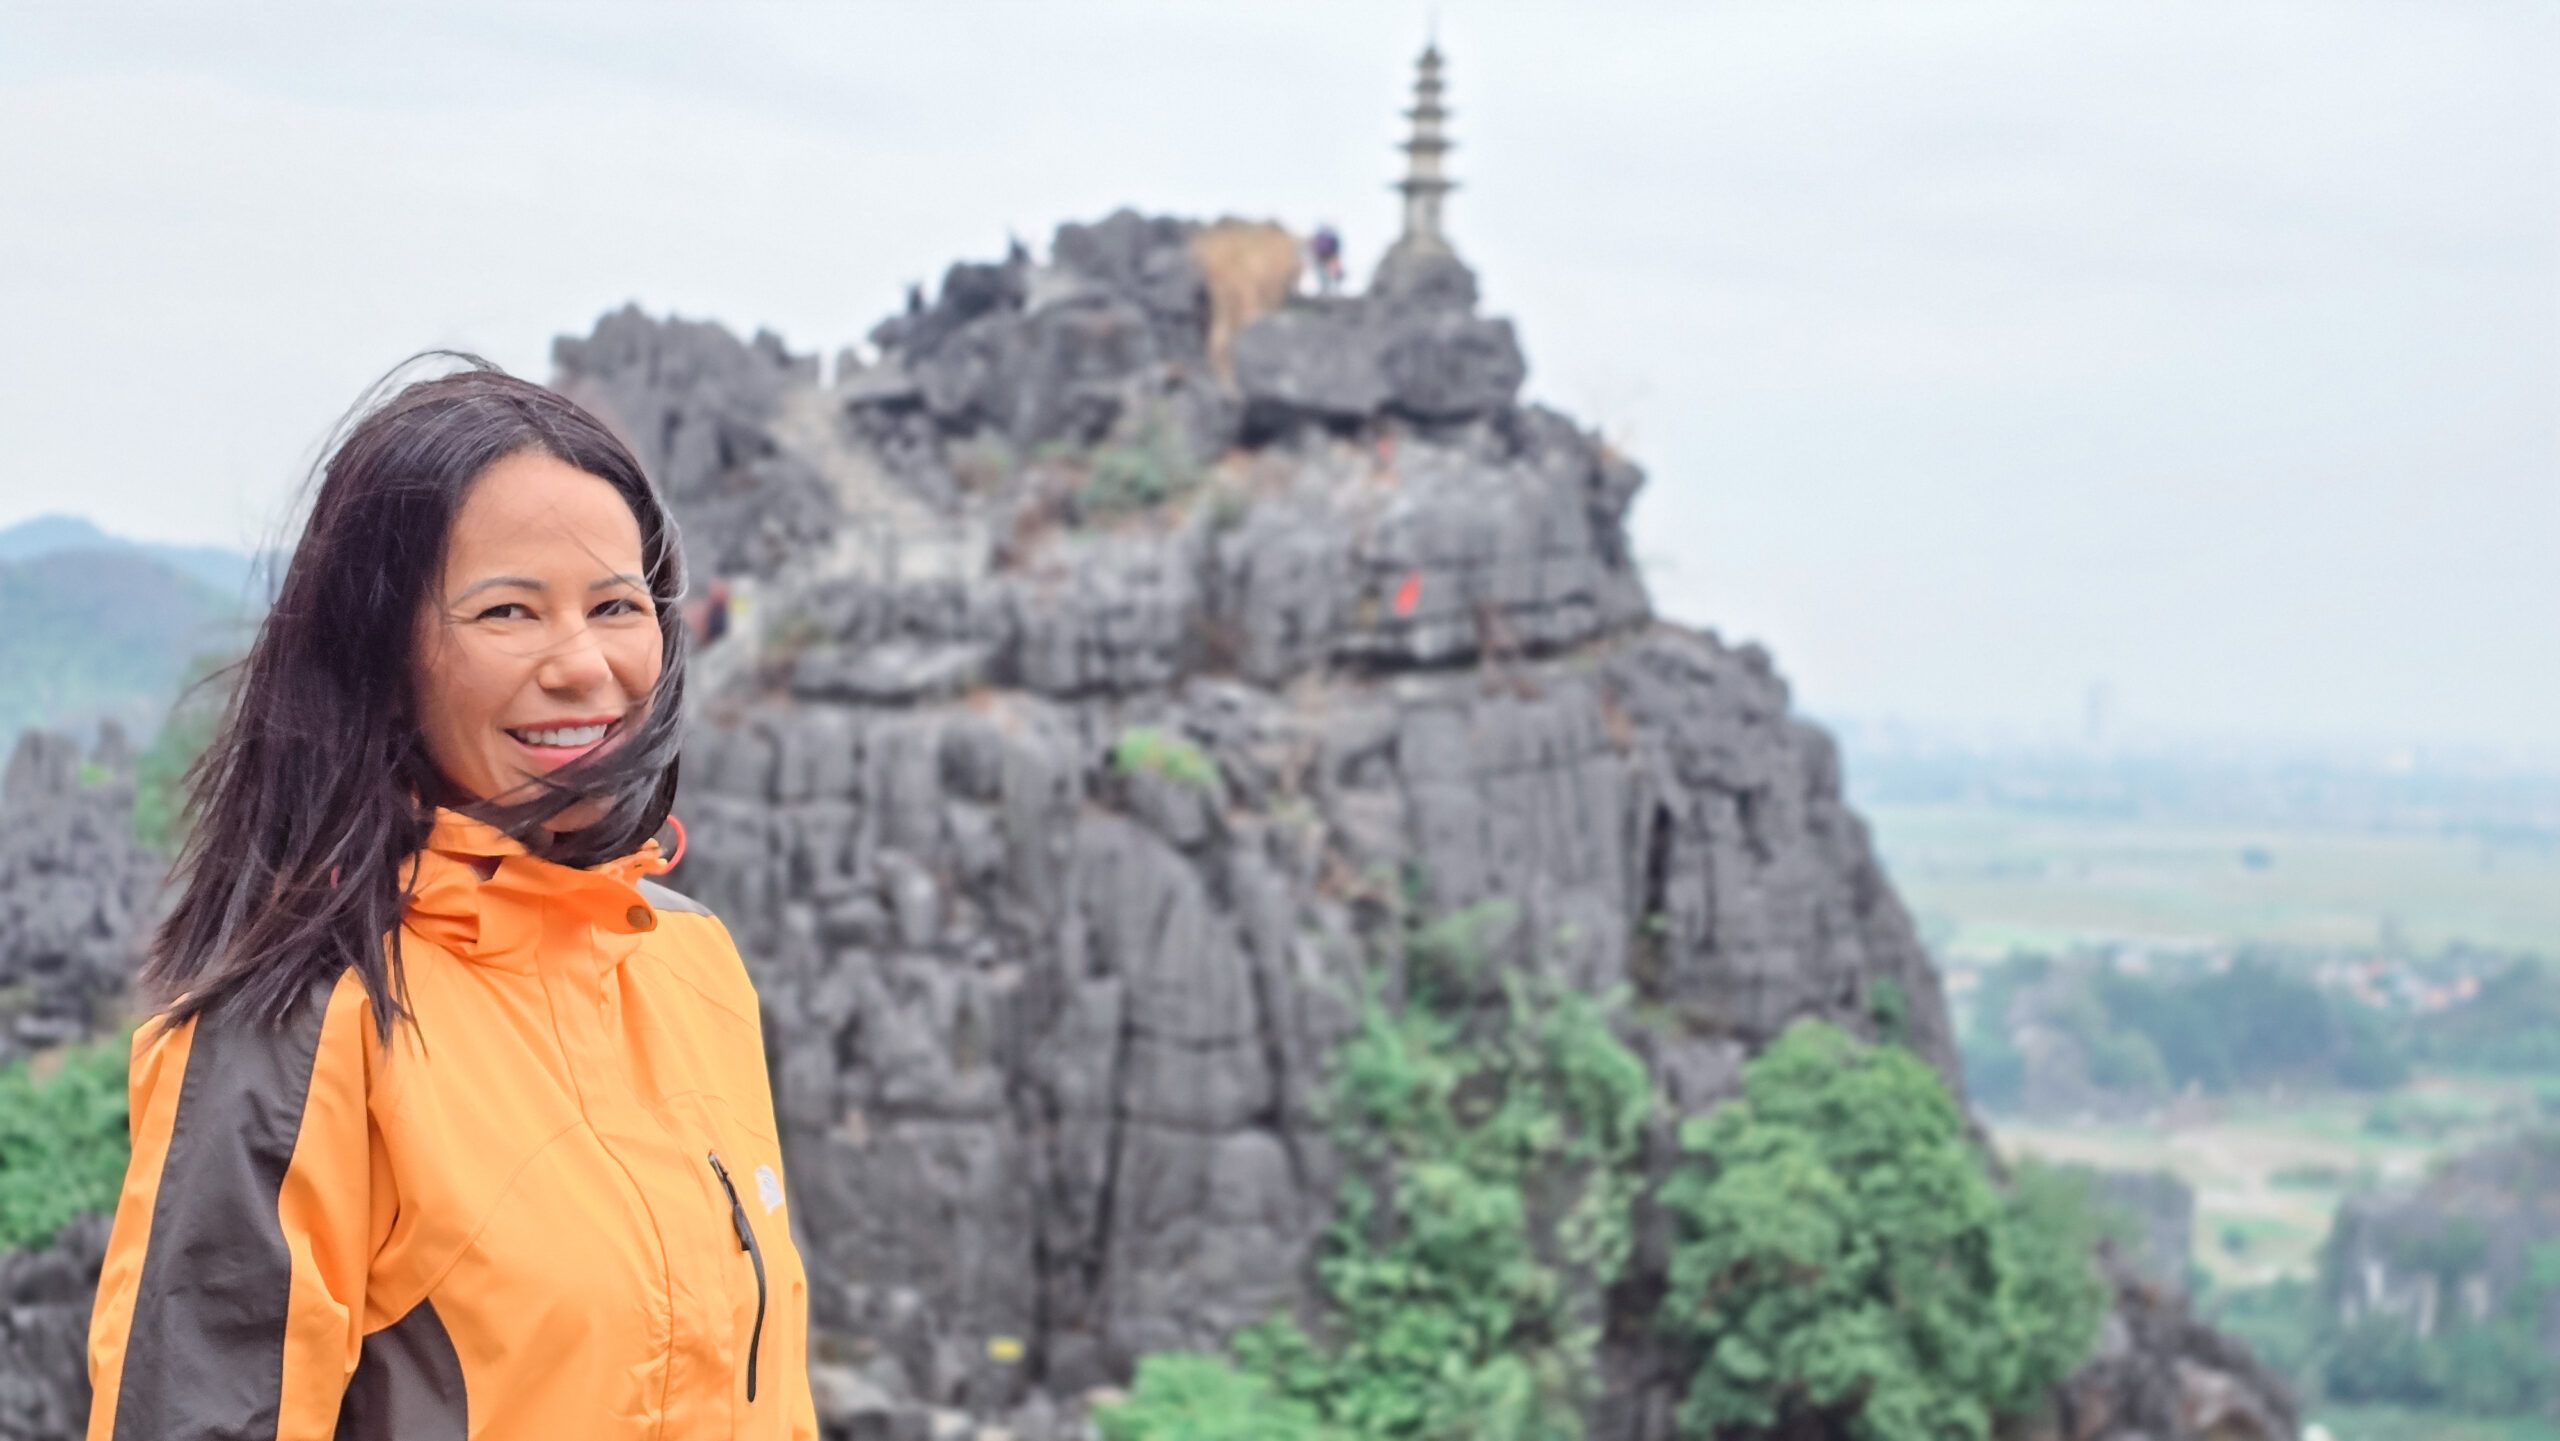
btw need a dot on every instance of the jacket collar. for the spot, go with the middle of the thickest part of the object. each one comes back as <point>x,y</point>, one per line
<point>529,913</point>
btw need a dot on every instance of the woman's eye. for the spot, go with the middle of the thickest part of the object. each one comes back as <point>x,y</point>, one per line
<point>511,610</point>
<point>617,606</point>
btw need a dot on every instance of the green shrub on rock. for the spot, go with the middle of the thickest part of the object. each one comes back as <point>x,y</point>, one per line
<point>1843,1257</point>
<point>63,1141</point>
<point>1183,1396</point>
<point>1491,1126</point>
<point>1148,464</point>
<point>1157,752</point>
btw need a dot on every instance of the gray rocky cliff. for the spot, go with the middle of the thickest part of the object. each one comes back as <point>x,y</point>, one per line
<point>76,889</point>
<point>1057,800</point>
<point>76,892</point>
<point>2158,1373</point>
<point>45,1296</point>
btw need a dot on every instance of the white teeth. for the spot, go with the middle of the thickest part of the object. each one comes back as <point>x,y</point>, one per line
<point>564,736</point>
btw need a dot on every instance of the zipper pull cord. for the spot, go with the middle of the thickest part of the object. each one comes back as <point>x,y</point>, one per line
<point>746,1243</point>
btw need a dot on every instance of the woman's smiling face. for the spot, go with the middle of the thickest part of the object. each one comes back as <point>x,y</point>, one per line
<point>540,644</point>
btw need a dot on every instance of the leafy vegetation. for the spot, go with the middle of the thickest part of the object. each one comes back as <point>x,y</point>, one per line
<point>2513,1024</point>
<point>1843,1257</point>
<point>1149,463</point>
<point>1151,750</point>
<point>2221,1028</point>
<point>1490,1126</point>
<point>2280,1320</point>
<point>1842,1253</point>
<point>2218,1029</point>
<point>63,1140</point>
<point>1184,1396</point>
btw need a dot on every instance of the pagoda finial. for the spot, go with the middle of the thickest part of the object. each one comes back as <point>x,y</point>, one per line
<point>1422,266</point>
<point>1424,183</point>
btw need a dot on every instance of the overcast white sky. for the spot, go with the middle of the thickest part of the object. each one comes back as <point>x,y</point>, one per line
<point>1980,354</point>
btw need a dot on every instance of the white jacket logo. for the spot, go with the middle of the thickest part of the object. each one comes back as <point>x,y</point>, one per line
<point>768,1189</point>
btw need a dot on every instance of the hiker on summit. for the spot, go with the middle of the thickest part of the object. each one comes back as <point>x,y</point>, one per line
<point>1326,250</point>
<point>453,1121</point>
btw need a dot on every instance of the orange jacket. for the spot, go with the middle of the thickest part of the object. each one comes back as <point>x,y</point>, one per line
<point>529,1218</point>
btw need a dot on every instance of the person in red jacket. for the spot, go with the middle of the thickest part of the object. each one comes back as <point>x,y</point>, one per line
<point>454,1122</point>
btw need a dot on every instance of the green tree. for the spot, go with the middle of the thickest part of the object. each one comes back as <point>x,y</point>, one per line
<point>1843,1256</point>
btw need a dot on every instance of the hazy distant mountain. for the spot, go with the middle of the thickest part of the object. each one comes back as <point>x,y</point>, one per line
<point>226,571</point>
<point>93,627</point>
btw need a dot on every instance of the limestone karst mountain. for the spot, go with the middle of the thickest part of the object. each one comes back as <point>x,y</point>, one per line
<point>1088,698</point>
<point>2463,1248</point>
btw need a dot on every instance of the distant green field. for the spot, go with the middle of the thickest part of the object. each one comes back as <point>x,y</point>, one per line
<point>2270,1161</point>
<point>1986,881</point>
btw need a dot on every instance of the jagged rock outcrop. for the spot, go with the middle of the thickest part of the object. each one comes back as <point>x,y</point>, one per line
<point>1059,835</point>
<point>45,1296</point>
<point>2159,1374</point>
<point>700,410</point>
<point>2156,1214</point>
<point>76,890</point>
<point>2453,1249</point>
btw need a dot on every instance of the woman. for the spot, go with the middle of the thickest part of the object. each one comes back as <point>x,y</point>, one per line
<point>455,1123</point>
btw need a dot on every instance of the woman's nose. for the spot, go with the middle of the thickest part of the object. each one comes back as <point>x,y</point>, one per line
<point>574,665</point>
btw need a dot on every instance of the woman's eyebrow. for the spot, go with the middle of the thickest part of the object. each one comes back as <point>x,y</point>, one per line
<point>529,583</point>
<point>467,592</point>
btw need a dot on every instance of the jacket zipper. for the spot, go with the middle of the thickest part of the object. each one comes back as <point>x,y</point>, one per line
<point>746,1243</point>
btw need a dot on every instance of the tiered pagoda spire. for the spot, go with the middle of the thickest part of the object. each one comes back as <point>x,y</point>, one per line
<point>1422,266</point>
<point>1425,182</point>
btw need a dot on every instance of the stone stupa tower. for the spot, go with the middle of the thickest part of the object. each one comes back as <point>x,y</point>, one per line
<point>1421,265</point>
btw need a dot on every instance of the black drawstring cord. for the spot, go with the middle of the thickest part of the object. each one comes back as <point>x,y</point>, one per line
<point>746,1243</point>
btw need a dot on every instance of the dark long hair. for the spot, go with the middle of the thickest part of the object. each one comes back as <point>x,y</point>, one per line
<point>318,787</point>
